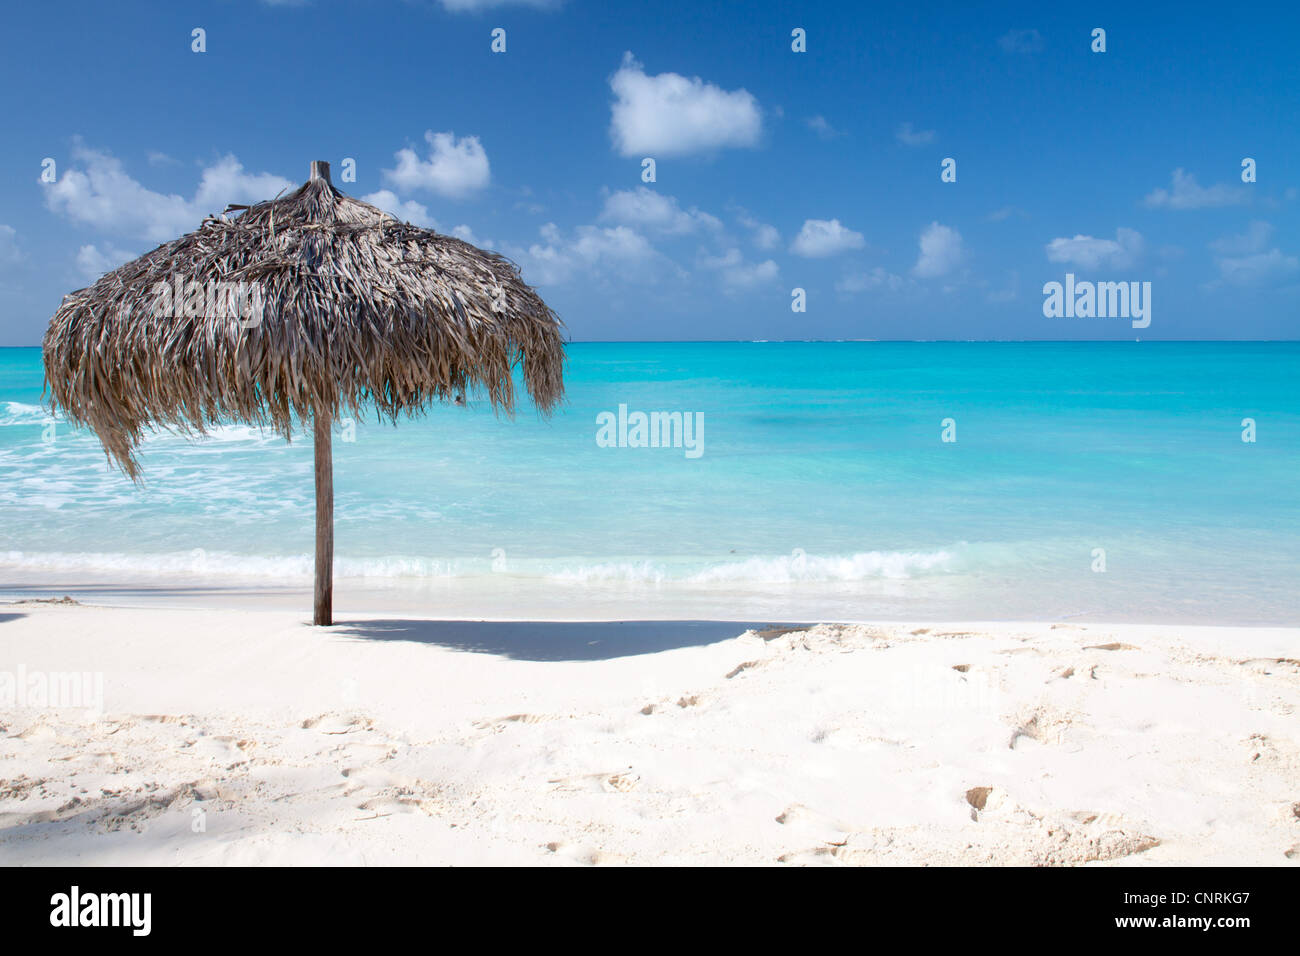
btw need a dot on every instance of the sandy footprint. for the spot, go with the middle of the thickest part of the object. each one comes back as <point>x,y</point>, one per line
<point>160,719</point>
<point>21,787</point>
<point>841,737</point>
<point>993,804</point>
<point>230,751</point>
<point>584,855</point>
<point>1030,842</point>
<point>134,812</point>
<point>743,667</point>
<point>813,856</point>
<point>37,734</point>
<point>1071,838</point>
<point>619,781</point>
<point>334,724</point>
<point>622,782</point>
<point>356,756</point>
<point>813,824</point>
<point>499,724</point>
<point>401,800</point>
<point>1041,724</point>
<point>376,778</point>
<point>1092,844</point>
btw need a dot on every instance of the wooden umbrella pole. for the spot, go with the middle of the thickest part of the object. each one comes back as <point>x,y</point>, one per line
<point>324,604</point>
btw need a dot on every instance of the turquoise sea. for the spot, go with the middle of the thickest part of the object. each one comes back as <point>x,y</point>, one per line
<point>823,490</point>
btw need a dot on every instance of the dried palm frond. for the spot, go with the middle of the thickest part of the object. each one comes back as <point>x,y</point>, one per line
<point>346,307</point>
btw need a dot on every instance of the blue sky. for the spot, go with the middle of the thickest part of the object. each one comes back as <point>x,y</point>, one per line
<point>775,170</point>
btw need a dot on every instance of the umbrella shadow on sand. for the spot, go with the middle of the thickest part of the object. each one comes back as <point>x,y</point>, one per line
<point>551,640</point>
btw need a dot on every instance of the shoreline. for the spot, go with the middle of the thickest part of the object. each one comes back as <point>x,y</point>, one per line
<point>391,739</point>
<point>517,598</point>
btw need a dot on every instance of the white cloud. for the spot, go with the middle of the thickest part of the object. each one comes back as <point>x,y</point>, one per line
<point>1254,239</point>
<point>527,202</point>
<point>822,127</point>
<point>1257,268</point>
<point>746,276</point>
<point>914,137</point>
<point>1006,212</point>
<point>93,262</point>
<point>10,254</point>
<point>647,208</point>
<point>941,251</point>
<point>825,237</point>
<point>672,115</point>
<point>455,167</point>
<point>1021,41</point>
<point>589,250</point>
<point>738,275</point>
<point>877,278</point>
<point>226,178</point>
<point>1245,259</point>
<point>1089,253</point>
<point>1186,193</point>
<point>408,211</point>
<point>467,234</point>
<point>101,194</point>
<point>764,236</point>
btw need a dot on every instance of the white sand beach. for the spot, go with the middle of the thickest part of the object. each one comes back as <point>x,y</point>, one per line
<point>249,737</point>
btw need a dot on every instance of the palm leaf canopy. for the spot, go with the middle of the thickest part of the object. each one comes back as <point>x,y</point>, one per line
<point>322,303</point>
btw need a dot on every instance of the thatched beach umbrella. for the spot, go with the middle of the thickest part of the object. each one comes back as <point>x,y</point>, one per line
<point>295,309</point>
